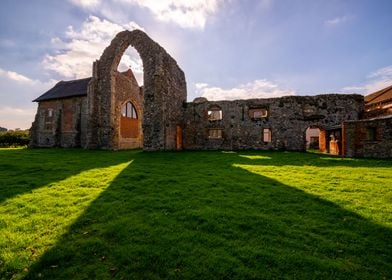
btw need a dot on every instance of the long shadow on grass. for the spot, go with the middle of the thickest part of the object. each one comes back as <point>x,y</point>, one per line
<point>194,216</point>
<point>23,170</point>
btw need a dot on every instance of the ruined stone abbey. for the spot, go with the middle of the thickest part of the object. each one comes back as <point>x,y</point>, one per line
<point>111,111</point>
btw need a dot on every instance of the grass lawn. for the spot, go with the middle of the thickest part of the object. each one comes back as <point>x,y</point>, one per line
<point>76,214</point>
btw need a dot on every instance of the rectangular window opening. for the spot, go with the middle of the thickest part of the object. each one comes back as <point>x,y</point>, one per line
<point>258,113</point>
<point>267,136</point>
<point>371,133</point>
<point>214,115</point>
<point>215,133</point>
<point>48,119</point>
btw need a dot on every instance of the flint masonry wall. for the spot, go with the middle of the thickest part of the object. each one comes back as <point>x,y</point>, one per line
<point>164,94</point>
<point>288,117</point>
<point>65,128</point>
<point>368,138</point>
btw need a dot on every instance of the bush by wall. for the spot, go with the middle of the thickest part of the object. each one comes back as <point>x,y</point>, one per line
<point>14,138</point>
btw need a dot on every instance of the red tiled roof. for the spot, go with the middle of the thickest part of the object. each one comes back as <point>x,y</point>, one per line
<point>379,96</point>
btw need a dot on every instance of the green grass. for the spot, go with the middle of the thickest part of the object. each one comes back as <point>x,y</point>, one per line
<point>76,214</point>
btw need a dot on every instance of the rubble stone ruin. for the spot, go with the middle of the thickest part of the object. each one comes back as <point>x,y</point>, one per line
<point>90,112</point>
<point>164,94</point>
<point>111,111</point>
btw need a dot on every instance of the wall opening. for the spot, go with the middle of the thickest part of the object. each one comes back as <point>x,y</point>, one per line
<point>159,103</point>
<point>325,140</point>
<point>312,139</point>
<point>214,113</point>
<point>371,133</point>
<point>48,120</point>
<point>267,135</point>
<point>128,100</point>
<point>179,139</point>
<point>131,60</point>
<point>215,133</point>
<point>258,113</point>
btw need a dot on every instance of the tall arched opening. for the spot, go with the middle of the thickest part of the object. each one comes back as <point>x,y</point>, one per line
<point>164,95</point>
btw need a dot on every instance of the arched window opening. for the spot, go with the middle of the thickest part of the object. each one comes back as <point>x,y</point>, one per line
<point>129,126</point>
<point>129,111</point>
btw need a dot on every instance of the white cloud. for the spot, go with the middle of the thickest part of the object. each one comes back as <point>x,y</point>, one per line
<point>86,3</point>
<point>377,80</point>
<point>336,21</point>
<point>18,91</point>
<point>14,76</point>
<point>383,73</point>
<point>187,14</point>
<point>256,89</point>
<point>75,53</point>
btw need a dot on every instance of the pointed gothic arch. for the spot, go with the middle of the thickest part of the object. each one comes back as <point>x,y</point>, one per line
<point>164,94</point>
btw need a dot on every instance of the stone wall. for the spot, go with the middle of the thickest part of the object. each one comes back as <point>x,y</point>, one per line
<point>63,127</point>
<point>126,89</point>
<point>287,118</point>
<point>368,138</point>
<point>164,93</point>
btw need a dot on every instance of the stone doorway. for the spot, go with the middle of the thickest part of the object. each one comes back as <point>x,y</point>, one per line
<point>312,138</point>
<point>179,142</point>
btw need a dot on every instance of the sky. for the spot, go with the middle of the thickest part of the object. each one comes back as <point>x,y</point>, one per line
<point>228,49</point>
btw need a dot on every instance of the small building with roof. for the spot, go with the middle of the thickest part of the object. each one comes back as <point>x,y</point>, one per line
<point>62,117</point>
<point>372,135</point>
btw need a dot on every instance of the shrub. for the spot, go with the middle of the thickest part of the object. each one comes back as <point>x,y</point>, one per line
<point>14,138</point>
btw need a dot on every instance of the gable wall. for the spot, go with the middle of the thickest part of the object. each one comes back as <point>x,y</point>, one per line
<point>67,126</point>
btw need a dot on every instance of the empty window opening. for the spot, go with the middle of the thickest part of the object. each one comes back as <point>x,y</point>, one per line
<point>214,114</point>
<point>215,133</point>
<point>258,113</point>
<point>371,133</point>
<point>48,123</point>
<point>267,135</point>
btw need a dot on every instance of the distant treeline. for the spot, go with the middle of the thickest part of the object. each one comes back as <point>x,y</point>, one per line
<point>14,138</point>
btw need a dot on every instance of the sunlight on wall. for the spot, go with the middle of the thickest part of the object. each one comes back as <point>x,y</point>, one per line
<point>33,222</point>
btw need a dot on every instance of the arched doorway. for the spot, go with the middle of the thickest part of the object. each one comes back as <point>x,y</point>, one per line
<point>164,94</point>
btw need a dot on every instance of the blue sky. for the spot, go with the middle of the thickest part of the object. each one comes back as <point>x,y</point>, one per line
<point>228,49</point>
